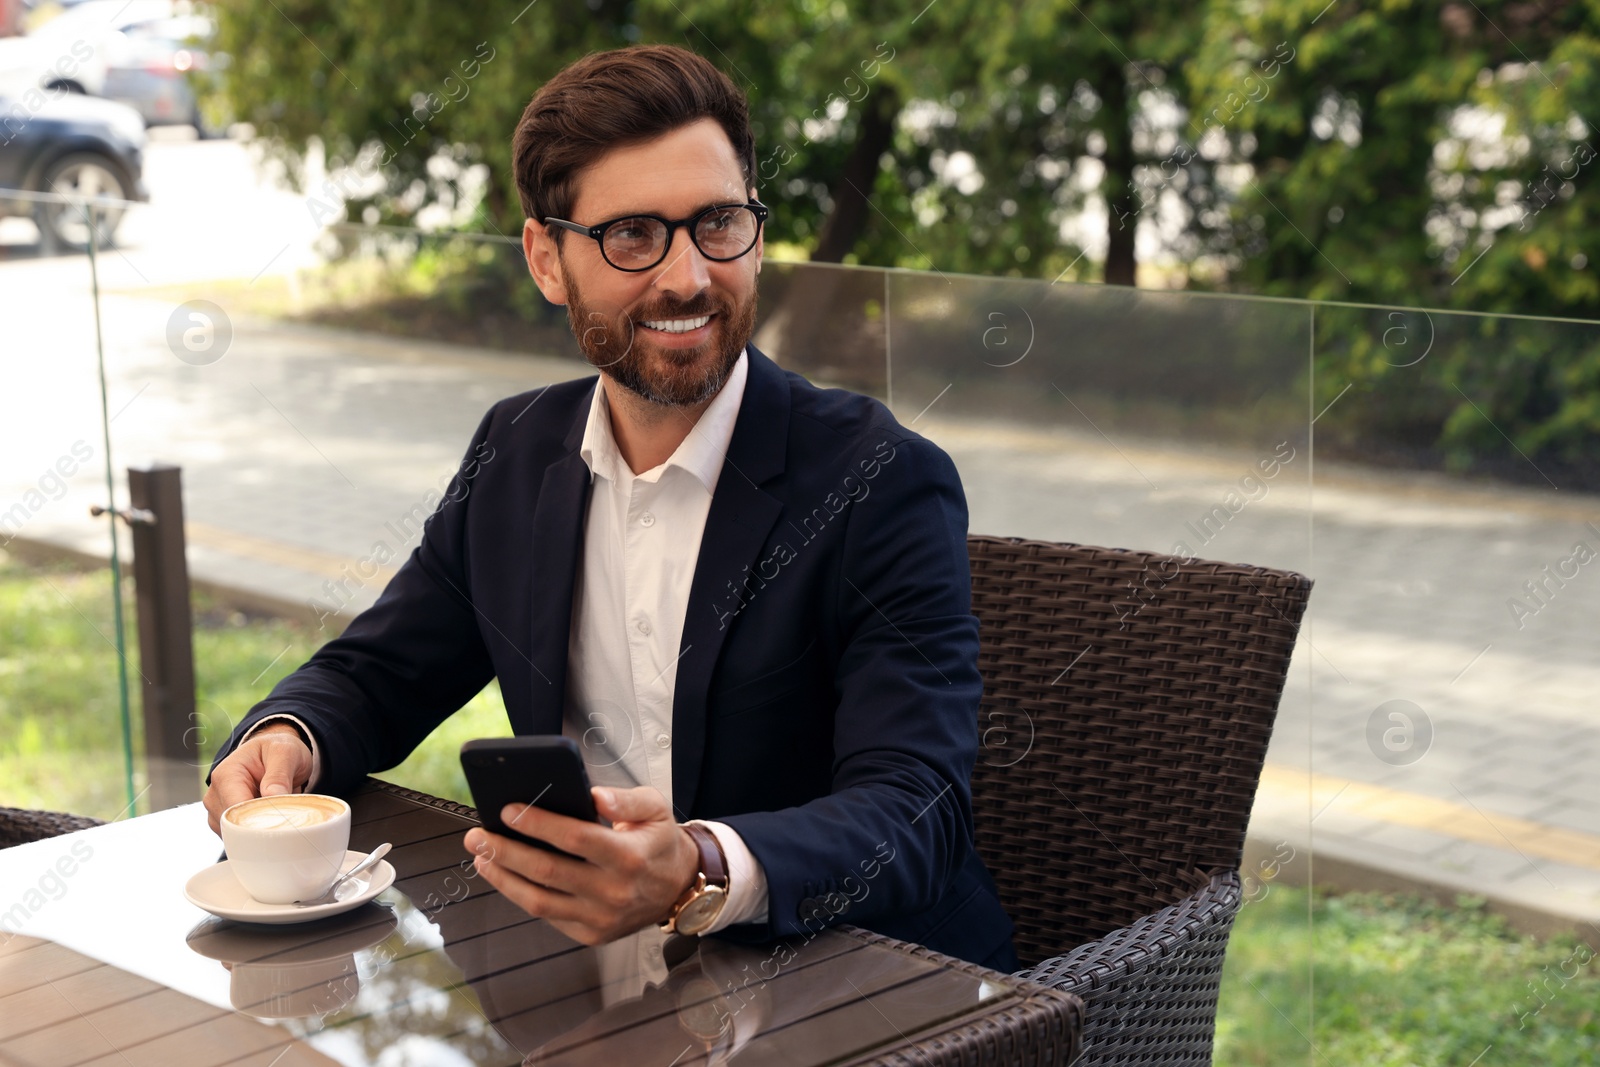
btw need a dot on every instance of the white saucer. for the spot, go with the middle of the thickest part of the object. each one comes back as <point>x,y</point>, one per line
<point>217,890</point>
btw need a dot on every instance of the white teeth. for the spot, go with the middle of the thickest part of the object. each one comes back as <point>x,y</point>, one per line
<point>678,325</point>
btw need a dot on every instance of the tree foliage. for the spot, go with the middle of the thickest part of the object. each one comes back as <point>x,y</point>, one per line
<point>1435,156</point>
<point>857,118</point>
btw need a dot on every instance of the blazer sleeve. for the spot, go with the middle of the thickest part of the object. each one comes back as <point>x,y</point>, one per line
<point>896,826</point>
<point>371,695</point>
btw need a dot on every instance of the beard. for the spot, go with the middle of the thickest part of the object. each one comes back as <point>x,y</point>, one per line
<point>670,377</point>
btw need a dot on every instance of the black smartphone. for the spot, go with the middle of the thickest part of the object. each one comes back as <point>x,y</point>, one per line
<point>546,772</point>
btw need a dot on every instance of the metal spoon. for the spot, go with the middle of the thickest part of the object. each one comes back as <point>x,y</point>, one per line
<point>328,898</point>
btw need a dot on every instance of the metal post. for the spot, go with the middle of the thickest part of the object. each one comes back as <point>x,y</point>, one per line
<point>166,636</point>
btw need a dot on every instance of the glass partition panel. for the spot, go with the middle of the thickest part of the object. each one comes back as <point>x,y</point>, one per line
<point>65,740</point>
<point>1122,418</point>
<point>318,389</point>
<point>1170,423</point>
<point>827,322</point>
<point>1456,620</point>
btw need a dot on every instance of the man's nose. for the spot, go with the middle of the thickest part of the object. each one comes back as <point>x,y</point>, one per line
<point>685,272</point>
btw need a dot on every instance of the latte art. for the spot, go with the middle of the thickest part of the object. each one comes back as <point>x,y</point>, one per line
<point>292,812</point>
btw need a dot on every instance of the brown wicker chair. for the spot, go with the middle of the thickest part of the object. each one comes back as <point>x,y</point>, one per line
<point>1128,700</point>
<point>18,826</point>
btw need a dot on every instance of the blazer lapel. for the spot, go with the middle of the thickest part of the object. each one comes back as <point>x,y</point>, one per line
<point>742,515</point>
<point>557,547</point>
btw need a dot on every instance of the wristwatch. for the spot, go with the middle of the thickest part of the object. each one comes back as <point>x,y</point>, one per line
<point>705,1012</point>
<point>703,901</point>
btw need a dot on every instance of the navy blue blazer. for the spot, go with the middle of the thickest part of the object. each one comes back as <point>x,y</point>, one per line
<point>826,702</point>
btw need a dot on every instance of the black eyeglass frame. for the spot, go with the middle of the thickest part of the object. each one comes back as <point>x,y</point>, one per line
<point>598,231</point>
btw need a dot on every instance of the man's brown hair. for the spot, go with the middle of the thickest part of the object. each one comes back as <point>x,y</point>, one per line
<point>606,100</point>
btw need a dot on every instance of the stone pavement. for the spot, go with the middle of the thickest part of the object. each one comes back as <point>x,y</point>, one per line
<point>1491,789</point>
<point>305,449</point>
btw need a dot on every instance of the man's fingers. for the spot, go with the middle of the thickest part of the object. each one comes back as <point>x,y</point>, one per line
<point>641,804</point>
<point>519,817</point>
<point>285,763</point>
<point>231,791</point>
<point>232,785</point>
<point>627,876</point>
<point>534,899</point>
<point>570,835</point>
<point>271,763</point>
<point>214,811</point>
<point>536,865</point>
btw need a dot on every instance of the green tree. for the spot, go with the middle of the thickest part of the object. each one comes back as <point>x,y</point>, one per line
<point>1028,93</point>
<point>1365,143</point>
<point>1435,156</point>
<point>385,94</point>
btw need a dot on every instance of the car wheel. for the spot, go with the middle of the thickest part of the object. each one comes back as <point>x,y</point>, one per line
<point>87,175</point>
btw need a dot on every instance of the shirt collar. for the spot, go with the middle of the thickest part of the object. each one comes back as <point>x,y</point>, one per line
<point>701,453</point>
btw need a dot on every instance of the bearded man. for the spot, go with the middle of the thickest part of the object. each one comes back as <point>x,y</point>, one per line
<point>746,597</point>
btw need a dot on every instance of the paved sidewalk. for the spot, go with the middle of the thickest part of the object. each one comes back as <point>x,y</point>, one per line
<point>304,450</point>
<point>1496,794</point>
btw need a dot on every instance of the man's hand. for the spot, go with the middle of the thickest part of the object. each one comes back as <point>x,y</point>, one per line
<point>635,870</point>
<point>273,761</point>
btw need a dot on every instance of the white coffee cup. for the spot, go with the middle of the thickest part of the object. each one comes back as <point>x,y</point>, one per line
<point>286,848</point>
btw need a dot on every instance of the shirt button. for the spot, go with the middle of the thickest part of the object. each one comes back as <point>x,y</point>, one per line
<point>647,519</point>
<point>644,626</point>
<point>664,741</point>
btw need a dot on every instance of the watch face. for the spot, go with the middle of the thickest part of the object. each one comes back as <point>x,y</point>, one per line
<point>700,912</point>
<point>703,1010</point>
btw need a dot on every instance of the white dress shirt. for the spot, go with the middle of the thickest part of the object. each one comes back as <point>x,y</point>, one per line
<point>641,539</point>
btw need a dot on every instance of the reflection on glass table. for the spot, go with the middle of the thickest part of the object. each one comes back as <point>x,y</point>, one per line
<point>112,964</point>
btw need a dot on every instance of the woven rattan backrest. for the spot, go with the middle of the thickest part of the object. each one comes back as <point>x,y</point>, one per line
<point>1128,698</point>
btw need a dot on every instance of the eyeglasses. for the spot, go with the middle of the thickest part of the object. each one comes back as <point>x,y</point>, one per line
<point>639,242</point>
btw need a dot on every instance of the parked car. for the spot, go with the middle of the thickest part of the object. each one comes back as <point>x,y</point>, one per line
<point>73,64</point>
<point>73,145</point>
<point>153,68</point>
<point>72,51</point>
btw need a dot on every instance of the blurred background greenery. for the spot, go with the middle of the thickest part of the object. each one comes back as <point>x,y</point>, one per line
<point>58,691</point>
<point>1434,155</point>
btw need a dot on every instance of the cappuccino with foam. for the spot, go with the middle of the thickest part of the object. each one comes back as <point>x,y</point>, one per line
<point>286,848</point>
<point>288,812</point>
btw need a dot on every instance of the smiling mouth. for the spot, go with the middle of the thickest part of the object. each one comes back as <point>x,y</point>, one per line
<point>679,325</point>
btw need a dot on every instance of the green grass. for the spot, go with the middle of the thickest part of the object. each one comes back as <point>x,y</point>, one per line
<point>60,718</point>
<point>1397,981</point>
<point>1402,983</point>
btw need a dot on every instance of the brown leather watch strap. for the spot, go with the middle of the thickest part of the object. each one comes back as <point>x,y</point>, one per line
<point>712,863</point>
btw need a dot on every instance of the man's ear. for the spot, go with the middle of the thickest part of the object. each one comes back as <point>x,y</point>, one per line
<point>544,263</point>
